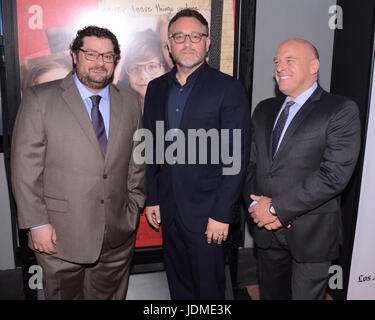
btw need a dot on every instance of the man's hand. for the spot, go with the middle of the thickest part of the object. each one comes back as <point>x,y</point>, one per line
<point>260,212</point>
<point>153,216</point>
<point>44,239</point>
<point>274,225</point>
<point>216,231</point>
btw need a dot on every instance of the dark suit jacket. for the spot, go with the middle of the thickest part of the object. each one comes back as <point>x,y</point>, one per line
<point>199,191</point>
<point>59,174</point>
<point>312,166</point>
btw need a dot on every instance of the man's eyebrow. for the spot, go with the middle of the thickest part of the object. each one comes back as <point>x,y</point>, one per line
<point>288,58</point>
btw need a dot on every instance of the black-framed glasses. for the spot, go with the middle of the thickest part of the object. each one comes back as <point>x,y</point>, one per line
<point>194,37</point>
<point>94,55</point>
<point>151,68</point>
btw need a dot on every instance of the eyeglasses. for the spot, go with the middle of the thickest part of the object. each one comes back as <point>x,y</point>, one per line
<point>194,37</point>
<point>93,56</point>
<point>151,68</point>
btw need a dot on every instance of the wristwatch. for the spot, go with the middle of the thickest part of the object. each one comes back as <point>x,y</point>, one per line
<point>272,209</point>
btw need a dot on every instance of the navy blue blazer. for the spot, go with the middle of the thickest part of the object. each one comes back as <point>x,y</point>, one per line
<point>199,191</point>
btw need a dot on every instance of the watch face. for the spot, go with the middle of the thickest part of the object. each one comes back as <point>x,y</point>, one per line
<point>272,210</point>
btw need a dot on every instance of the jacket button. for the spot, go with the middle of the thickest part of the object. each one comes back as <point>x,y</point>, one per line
<point>105,176</point>
<point>101,201</point>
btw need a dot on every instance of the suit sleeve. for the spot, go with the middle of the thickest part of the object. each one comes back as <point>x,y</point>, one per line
<point>249,184</point>
<point>136,176</point>
<point>336,167</point>
<point>235,116</point>
<point>27,162</point>
<point>152,170</point>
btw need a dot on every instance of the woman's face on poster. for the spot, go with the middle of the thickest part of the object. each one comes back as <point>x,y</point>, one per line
<point>141,73</point>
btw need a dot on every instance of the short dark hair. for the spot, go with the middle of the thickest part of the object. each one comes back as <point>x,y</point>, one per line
<point>94,31</point>
<point>188,13</point>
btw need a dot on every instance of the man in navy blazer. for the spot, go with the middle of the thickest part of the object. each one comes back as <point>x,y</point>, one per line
<point>193,191</point>
<point>304,150</point>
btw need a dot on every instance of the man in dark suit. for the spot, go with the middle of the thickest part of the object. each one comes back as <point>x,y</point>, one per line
<point>194,199</point>
<point>304,150</point>
<point>75,182</point>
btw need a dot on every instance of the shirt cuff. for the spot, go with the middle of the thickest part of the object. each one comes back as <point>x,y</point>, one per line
<point>33,228</point>
<point>253,203</point>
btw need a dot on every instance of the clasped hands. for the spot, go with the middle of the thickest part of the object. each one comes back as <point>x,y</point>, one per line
<point>261,214</point>
<point>216,231</point>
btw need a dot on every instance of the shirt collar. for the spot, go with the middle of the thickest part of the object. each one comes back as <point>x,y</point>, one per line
<point>191,78</point>
<point>86,93</point>
<point>302,98</point>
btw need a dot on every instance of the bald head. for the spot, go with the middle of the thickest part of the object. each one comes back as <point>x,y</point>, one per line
<point>307,45</point>
<point>296,66</point>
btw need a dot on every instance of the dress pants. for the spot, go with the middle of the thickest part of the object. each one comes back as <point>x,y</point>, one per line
<point>195,269</point>
<point>283,278</point>
<point>106,279</point>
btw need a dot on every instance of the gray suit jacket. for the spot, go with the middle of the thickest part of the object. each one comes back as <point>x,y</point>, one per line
<point>311,168</point>
<point>59,175</point>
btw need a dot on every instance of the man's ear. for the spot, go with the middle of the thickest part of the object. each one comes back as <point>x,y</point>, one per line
<point>314,66</point>
<point>208,43</point>
<point>169,43</point>
<point>74,56</point>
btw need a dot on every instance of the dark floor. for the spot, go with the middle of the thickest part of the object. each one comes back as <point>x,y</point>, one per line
<point>11,285</point>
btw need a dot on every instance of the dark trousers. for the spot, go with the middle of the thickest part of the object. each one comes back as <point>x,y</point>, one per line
<point>195,269</point>
<point>107,279</point>
<point>283,278</point>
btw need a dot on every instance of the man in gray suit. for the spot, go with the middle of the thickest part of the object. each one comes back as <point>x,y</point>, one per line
<point>75,182</point>
<point>305,147</point>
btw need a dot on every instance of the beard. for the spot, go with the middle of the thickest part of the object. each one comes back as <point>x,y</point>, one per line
<point>198,59</point>
<point>97,82</point>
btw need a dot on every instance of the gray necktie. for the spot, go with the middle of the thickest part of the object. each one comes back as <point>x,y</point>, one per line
<point>98,123</point>
<point>279,127</point>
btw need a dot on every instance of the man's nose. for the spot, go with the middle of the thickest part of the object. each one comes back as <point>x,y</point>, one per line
<point>187,41</point>
<point>100,60</point>
<point>280,66</point>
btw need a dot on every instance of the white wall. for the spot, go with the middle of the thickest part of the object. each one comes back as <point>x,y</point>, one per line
<point>278,20</point>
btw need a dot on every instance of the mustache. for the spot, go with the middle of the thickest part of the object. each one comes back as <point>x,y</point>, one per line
<point>188,50</point>
<point>98,69</point>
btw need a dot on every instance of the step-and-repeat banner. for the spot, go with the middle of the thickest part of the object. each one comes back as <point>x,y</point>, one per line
<point>46,28</point>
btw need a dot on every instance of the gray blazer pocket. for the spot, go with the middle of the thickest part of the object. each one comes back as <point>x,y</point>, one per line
<point>58,205</point>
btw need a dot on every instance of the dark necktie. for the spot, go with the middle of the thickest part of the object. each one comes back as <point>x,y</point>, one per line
<point>276,134</point>
<point>98,123</point>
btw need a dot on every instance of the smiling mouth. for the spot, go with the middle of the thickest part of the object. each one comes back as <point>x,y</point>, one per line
<point>284,77</point>
<point>99,70</point>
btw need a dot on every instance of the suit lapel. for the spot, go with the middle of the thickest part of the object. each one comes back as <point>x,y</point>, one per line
<point>195,91</point>
<point>116,112</point>
<point>301,115</point>
<point>274,110</point>
<point>76,105</point>
<point>164,87</point>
